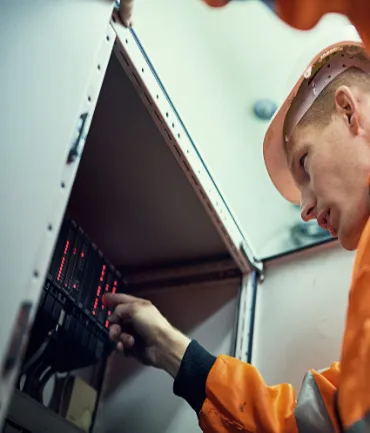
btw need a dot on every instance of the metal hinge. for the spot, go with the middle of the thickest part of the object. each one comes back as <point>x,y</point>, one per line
<point>75,147</point>
<point>255,264</point>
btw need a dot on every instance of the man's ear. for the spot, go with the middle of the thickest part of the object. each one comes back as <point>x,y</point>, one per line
<point>347,107</point>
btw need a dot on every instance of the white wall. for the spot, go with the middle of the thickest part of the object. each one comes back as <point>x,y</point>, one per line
<point>141,399</point>
<point>300,314</point>
<point>215,64</point>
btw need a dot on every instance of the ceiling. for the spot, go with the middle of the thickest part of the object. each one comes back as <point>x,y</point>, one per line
<point>215,64</point>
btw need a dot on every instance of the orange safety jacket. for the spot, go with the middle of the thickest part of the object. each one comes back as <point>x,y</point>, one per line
<point>304,14</point>
<point>230,396</point>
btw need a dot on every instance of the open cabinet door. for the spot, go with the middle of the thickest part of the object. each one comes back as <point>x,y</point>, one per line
<point>54,56</point>
<point>300,313</point>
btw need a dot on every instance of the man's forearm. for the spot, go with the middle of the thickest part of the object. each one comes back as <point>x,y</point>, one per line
<point>188,363</point>
<point>171,351</point>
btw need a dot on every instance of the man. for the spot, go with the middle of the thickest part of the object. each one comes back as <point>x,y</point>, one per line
<point>317,152</point>
<point>300,14</point>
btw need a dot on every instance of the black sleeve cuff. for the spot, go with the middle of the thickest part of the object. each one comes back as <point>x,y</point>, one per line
<point>190,382</point>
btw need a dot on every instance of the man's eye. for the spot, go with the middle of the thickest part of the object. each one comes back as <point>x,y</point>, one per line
<point>302,161</point>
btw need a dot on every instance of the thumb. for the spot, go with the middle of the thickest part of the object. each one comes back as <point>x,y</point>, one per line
<point>126,7</point>
<point>113,299</point>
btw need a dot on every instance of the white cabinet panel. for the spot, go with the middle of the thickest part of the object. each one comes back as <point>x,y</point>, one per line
<point>300,314</point>
<point>53,57</point>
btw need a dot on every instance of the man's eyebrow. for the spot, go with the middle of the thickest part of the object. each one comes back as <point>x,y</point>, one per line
<point>289,154</point>
<point>291,164</point>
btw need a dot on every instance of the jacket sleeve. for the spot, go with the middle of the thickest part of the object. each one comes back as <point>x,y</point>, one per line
<point>305,14</point>
<point>230,396</point>
<point>238,400</point>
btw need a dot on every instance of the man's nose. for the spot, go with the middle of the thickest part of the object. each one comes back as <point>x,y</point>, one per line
<point>308,211</point>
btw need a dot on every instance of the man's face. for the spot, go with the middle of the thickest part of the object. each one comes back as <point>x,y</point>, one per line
<point>331,167</point>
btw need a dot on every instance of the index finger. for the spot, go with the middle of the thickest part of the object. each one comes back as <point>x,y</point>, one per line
<point>113,299</point>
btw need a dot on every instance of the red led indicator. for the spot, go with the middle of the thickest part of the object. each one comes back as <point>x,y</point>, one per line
<point>66,248</point>
<point>82,254</point>
<point>61,269</point>
<point>106,324</point>
<point>63,261</point>
<point>102,273</point>
<point>96,302</point>
<point>114,289</point>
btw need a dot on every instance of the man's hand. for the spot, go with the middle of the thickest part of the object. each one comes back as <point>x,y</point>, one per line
<point>140,330</point>
<point>125,11</point>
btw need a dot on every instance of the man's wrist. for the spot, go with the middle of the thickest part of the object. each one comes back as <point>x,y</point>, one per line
<point>171,351</point>
<point>190,382</point>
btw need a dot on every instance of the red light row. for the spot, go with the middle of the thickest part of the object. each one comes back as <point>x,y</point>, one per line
<point>66,248</point>
<point>102,273</point>
<point>80,265</point>
<point>96,302</point>
<point>67,282</point>
<point>63,261</point>
<point>114,290</point>
<point>98,292</point>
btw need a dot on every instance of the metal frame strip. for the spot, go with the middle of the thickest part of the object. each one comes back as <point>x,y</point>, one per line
<point>246,317</point>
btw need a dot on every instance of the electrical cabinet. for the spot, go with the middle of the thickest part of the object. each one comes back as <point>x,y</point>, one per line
<point>103,189</point>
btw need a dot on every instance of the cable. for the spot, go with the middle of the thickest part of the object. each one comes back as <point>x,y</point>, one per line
<point>44,378</point>
<point>32,367</point>
<point>32,378</point>
<point>39,352</point>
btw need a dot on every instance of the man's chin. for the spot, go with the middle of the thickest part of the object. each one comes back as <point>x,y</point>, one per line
<point>349,241</point>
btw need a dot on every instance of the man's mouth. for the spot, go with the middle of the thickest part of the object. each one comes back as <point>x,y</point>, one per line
<point>324,221</point>
<point>333,232</point>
